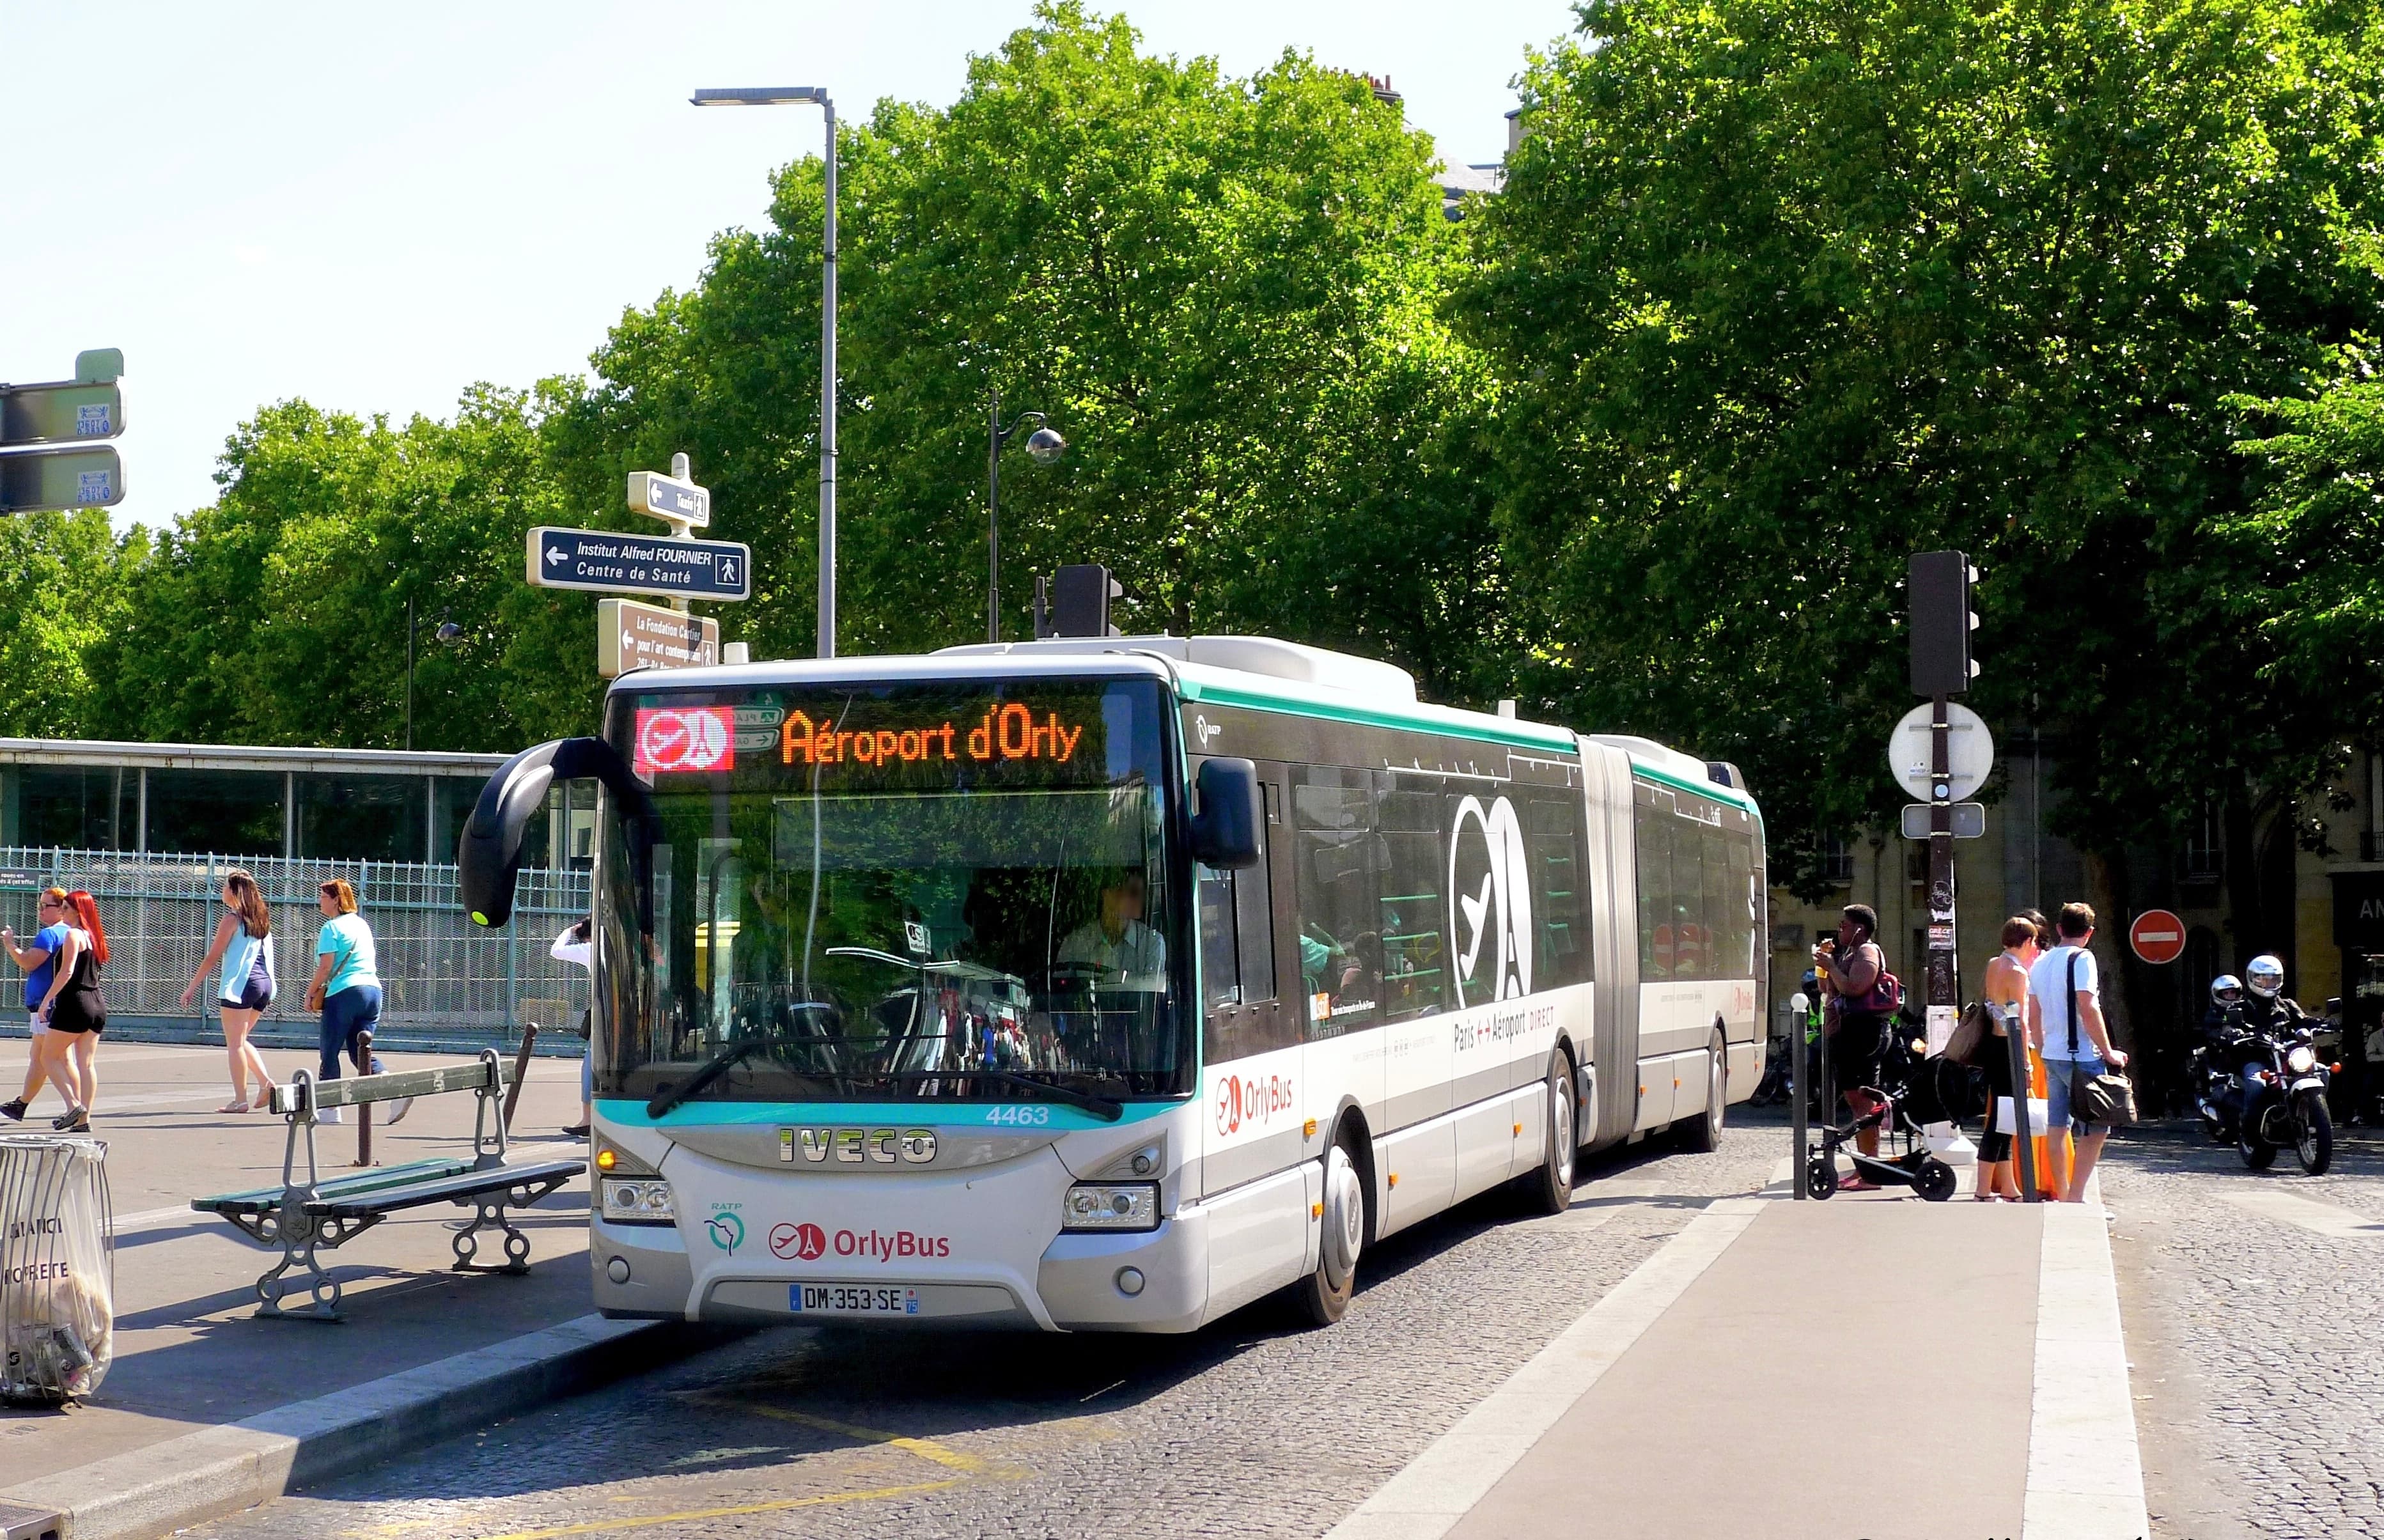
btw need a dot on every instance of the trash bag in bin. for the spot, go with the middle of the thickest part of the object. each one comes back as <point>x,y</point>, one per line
<point>57,1267</point>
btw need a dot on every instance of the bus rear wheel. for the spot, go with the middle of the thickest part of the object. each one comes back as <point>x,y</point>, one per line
<point>1702,1135</point>
<point>1551,1187</point>
<point>1325,1292</point>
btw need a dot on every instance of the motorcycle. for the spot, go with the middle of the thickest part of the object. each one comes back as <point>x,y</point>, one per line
<point>2288,1109</point>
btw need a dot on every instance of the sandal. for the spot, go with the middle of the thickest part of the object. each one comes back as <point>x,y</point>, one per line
<point>1855,1184</point>
<point>240,1106</point>
<point>264,1100</point>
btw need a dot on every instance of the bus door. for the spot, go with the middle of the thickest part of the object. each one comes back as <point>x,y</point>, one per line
<point>1248,1036</point>
<point>1253,1178</point>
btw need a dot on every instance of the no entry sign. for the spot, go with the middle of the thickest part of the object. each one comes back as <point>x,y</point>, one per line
<point>2158,936</point>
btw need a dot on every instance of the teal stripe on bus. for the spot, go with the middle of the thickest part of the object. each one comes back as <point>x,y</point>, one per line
<point>998,1116</point>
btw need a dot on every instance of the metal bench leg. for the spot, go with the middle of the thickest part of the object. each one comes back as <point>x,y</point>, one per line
<point>490,1213</point>
<point>298,1235</point>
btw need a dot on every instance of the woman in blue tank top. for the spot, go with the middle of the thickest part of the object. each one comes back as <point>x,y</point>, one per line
<point>244,945</point>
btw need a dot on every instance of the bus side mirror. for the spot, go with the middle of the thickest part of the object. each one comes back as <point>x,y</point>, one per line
<point>489,856</point>
<point>1225,830</point>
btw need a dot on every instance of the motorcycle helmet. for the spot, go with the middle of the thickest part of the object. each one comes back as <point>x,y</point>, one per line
<point>2225,990</point>
<point>2265,976</point>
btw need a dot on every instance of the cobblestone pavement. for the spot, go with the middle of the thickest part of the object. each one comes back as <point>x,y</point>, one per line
<point>2256,1344</point>
<point>1254,1427</point>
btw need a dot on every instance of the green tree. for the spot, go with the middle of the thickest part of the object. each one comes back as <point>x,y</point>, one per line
<point>1785,289</point>
<point>278,614</point>
<point>61,589</point>
<point>1222,290</point>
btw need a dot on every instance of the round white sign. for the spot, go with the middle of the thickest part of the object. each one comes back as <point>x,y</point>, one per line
<point>1970,751</point>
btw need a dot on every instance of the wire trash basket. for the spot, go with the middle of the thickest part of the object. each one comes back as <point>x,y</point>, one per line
<point>57,1267</point>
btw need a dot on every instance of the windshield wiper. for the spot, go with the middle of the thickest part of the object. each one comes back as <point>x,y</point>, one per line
<point>711,1069</point>
<point>1100,1107</point>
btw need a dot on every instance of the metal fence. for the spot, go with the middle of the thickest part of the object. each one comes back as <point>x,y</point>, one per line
<point>439,972</point>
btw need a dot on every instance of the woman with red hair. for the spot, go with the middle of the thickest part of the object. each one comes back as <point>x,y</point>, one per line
<point>75,1014</point>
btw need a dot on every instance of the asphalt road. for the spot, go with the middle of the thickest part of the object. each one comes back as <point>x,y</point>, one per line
<point>2254,1305</point>
<point>1257,1426</point>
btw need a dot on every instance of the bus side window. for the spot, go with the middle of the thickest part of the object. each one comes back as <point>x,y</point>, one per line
<point>1654,857</point>
<point>1692,935</point>
<point>1254,912</point>
<point>1415,856</point>
<point>1337,861</point>
<point>1219,971</point>
<point>1559,900</point>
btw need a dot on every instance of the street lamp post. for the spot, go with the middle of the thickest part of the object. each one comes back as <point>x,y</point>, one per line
<point>763,96</point>
<point>447,635</point>
<point>1045,445</point>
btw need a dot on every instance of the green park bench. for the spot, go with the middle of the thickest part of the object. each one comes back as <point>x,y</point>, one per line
<point>312,1215</point>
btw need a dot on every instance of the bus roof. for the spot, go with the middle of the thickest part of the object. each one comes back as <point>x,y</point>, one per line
<point>1260,673</point>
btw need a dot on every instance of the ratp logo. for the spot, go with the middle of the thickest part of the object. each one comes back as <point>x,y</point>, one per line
<point>1490,902</point>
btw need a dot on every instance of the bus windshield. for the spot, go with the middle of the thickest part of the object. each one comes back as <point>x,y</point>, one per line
<point>868,892</point>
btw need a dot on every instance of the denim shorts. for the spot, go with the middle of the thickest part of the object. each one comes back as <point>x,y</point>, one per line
<point>2059,1076</point>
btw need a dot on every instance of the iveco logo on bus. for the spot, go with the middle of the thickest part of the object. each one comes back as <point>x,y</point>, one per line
<point>1250,1100</point>
<point>1490,903</point>
<point>853,1147</point>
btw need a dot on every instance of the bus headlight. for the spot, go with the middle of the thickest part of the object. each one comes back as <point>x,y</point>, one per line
<point>1111,1205</point>
<point>639,1201</point>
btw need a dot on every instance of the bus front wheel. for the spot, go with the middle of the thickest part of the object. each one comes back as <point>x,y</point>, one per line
<point>1325,1292</point>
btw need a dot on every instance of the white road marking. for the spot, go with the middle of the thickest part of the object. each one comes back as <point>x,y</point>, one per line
<point>1440,1486</point>
<point>2320,1218</point>
<point>2085,1474</point>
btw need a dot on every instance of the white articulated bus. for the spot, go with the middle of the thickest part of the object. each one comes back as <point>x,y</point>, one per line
<point>1113,984</point>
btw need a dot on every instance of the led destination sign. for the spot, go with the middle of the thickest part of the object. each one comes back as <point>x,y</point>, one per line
<point>1010,731</point>
<point>940,736</point>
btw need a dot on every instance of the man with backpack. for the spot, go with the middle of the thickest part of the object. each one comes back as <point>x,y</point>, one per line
<point>1863,999</point>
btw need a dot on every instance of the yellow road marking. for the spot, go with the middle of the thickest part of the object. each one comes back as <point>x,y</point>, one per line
<point>603,1526</point>
<point>925,1448</point>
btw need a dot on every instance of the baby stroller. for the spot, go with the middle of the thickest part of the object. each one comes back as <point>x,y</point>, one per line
<point>1912,1166</point>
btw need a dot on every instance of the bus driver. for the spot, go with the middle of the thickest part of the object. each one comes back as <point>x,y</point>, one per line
<point>1117,947</point>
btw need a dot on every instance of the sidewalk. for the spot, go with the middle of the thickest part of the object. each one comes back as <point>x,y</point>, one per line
<point>188,1354</point>
<point>1871,1365</point>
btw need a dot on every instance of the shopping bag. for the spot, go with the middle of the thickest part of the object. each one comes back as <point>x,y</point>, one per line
<point>2040,1116</point>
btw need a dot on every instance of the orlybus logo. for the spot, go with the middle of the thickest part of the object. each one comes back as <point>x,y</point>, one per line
<point>1490,900</point>
<point>1240,1101</point>
<point>797,1242</point>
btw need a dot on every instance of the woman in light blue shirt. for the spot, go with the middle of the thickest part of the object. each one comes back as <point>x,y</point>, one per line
<point>346,988</point>
<point>243,944</point>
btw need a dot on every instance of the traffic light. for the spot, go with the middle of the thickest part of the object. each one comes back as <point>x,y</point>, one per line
<point>1080,600</point>
<point>1939,586</point>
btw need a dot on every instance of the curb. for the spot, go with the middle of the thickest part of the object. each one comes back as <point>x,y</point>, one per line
<point>203,1475</point>
<point>2085,1467</point>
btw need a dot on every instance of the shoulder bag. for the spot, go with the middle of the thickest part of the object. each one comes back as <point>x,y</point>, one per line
<point>2106,1098</point>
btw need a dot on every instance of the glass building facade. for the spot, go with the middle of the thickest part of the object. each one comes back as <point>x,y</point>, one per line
<point>248,802</point>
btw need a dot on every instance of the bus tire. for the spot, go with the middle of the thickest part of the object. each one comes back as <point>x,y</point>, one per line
<point>1702,1135</point>
<point>1551,1188</point>
<point>1325,1292</point>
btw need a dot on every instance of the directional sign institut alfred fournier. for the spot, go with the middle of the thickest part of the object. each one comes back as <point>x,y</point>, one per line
<point>609,563</point>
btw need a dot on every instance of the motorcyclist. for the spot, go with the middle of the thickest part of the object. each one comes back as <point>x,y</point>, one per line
<point>2242,1013</point>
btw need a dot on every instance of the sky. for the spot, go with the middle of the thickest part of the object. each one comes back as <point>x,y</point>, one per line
<point>374,207</point>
